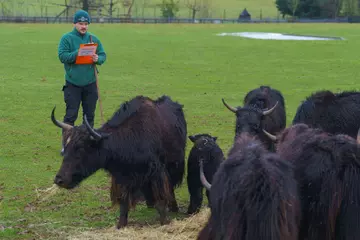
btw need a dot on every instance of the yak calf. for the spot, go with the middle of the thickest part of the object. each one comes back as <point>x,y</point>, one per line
<point>208,151</point>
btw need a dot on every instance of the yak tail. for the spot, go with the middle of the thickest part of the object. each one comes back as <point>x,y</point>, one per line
<point>161,188</point>
<point>203,179</point>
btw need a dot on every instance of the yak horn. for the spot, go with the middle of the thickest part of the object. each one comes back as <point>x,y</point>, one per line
<point>272,137</point>
<point>92,132</point>
<point>203,180</point>
<point>62,125</point>
<point>358,137</point>
<point>267,112</point>
<point>229,107</point>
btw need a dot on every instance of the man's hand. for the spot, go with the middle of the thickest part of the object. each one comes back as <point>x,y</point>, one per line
<point>95,58</point>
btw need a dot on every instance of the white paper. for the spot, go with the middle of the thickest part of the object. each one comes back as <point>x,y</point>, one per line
<point>87,51</point>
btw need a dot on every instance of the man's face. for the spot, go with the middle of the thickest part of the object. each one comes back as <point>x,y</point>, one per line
<point>82,27</point>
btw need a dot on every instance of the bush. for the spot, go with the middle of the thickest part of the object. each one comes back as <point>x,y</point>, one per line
<point>169,8</point>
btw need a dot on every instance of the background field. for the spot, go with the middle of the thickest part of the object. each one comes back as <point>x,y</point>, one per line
<point>187,62</point>
<point>150,8</point>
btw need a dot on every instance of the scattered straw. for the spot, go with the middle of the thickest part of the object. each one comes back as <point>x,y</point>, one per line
<point>43,195</point>
<point>184,229</point>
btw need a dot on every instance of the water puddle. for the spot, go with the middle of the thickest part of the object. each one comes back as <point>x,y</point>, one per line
<point>278,36</point>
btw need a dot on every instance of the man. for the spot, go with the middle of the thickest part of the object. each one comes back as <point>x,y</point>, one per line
<point>80,80</point>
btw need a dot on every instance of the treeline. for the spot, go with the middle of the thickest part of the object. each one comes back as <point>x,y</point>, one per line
<point>318,8</point>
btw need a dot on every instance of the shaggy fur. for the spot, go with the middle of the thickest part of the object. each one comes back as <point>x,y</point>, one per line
<point>145,152</point>
<point>327,168</point>
<point>337,113</point>
<point>206,149</point>
<point>249,118</point>
<point>253,196</point>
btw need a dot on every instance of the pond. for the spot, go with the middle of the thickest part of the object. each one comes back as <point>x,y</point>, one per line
<point>278,36</point>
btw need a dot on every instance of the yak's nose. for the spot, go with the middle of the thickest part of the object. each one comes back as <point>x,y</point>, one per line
<point>58,180</point>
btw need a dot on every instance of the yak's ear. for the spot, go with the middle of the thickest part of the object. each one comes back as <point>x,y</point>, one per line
<point>214,138</point>
<point>192,138</point>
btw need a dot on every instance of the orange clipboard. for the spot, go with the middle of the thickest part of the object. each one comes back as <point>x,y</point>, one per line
<point>85,53</point>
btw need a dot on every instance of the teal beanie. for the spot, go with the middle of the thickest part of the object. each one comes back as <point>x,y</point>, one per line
<point>81,16</point>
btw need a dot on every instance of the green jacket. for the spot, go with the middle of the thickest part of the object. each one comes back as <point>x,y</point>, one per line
<point>78,74</point>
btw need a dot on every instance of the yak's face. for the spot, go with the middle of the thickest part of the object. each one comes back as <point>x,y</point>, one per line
<point>82,153</point>
<point>249,120</point>
<point>80,158</point>
<point>203,141</point>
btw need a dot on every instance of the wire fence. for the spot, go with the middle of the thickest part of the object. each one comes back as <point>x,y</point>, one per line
<point>41,11</point>
<point>106,20</point>
<point>139,9</point>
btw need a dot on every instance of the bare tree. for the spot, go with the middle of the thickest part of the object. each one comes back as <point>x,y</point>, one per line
<point>128,4</point>
<point>111,7</point>
<point>64,11</point>
<point>194,6</point>
<point>42,7</point>
<point>205,9</point>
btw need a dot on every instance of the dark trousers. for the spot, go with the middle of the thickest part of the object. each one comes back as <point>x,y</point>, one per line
<point>74,95</point>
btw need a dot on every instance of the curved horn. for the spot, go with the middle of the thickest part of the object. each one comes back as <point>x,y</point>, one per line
<point>267,112</point>
<point>92,132</point>
<point>229,107</point>
<point>358,137</point>
<point>272,137</point>
<point>57,123</point>
<point>203,180</point>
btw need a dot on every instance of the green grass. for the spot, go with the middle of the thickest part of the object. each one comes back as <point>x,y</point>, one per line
<point>150,8</point>
<point>187,62</point>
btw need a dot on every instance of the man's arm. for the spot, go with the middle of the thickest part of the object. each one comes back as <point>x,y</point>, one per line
<point>101,53</point>
<point>64,52</point>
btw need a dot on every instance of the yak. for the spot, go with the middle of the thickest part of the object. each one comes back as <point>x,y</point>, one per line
<point>337,113</point>
<point>327,169</point>
<point>142,146</point>
<point>254,119</point>
<point>207,150</point>
<point>253,195</point>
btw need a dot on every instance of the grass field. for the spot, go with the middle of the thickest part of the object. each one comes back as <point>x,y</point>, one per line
<point>150,8</point>
<point>187,62</point>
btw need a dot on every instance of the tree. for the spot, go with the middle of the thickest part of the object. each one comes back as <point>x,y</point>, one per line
<point>169,8</point>
<point>305,8</point>
<point>349,7</point>
<point>194,6</point>
<point>293,5</point>
<point>128,4</point>
<point>331,8</point>
<point>5,8</point>
<point>205,9</point>
<point>85,5</point>
<point>315,8</point>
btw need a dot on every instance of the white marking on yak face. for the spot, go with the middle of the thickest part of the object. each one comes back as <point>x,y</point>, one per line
<point>68,141</point>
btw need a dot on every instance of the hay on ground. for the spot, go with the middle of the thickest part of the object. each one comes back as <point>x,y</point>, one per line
<point>185,229</point>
